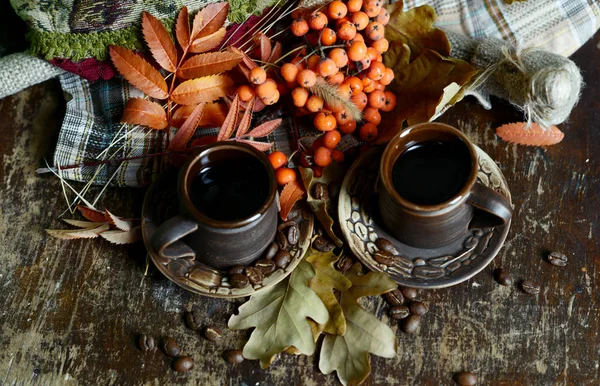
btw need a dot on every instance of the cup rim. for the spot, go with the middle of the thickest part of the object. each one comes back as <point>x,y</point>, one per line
<point>184,176</point>
<point>386,160</point>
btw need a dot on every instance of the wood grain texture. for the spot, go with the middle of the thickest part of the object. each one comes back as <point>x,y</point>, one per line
<point>71,311</point>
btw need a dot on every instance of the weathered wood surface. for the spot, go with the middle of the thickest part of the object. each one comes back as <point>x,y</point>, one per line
<point>71,311</point>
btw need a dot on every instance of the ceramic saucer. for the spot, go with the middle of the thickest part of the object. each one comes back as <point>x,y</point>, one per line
<point>161,203</point>
<point>416,267</point>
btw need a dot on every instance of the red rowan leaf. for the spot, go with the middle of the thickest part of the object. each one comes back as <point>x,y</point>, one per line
<point>214,115</point>
<point>209,42</point>
<point>138,72</point>
<point>209,19</point>
<point>91,214</point>
<point>265,47</point>
<point>139,111</point>
<point>230,120</point>
<point>118,222</point>
<point>534,135</point>
<point>182,28</point>
<point>160,43</point>
<point>292,192</point>
<point>275,53</point>
<point>183,135</point>
<point>205,89</point>
<point>264,129</point>
<point>208,64</point>
<point>246,119</point>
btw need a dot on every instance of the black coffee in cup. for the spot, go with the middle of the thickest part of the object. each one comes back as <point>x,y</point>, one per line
<point>230,189</point>
<point>432,172</point>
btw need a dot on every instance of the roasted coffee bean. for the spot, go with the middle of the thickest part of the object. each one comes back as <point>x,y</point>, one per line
<point>271,251</point>
<point>293,234</point>
<point>385,245</point>
<point>255,275</point>
<point>236,269</point>
<point>282,240</point>
<point>147,343</point>
<point>170,347</point>
<point>465,378</point>
<point>282,259</point>
<point>530,287</point>
<point>294,214</point>
<point>409,293</point>
<point>322,244</point>
<point>233,356</point>
<point>503,277</point>
<point>183,364</point>
<point>320,191</point>
<point>395,298</point>
<point>344,263</point>
<point>213,333</point>
<point>418,308</point>
<point>193,319</point>
<point>410,324</point>
<point>558,259</point>
<point>399,312</point>
<point>265,266</point>
<point>285,225</point>
<point>384,257</point>
<point>238,280</point>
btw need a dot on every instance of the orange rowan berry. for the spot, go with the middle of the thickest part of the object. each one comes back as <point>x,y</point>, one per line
<point>324,121</point>
<point>344,91</point>
<point>322,156</point>
<point>357,51</point>
<point>258,75</point>
<point>313,37</point>
<point>342,117</point>
<point>337,10</point>
<point>339,57</point>
<point>371,9</point>
<point>300,96</point>
<point>289,72</point>
<point>317,143</point>
<point>336,78</point>
<point>374,30</point>
<point>266,89</point>
<point>317,20</point>
<point>348,128</point>
<point>377,99</point>
<point>379,86</point>
<point>376,70</point>
<point>356,85</point>
<point>312,62</point>
<point>383,17</point>
<point>372,115</point>
<point>381,45</point>
<point>344,19</point>
<point>357,38</point>
<point>337,156</point>
<point>388,76</point>
<point>298,61</point>
<point>368,132</point>
<point>368,85</point>
<point>314,104</point>
<point>331,139</point>
<point>390,102</point>
<point>360,20</point>
<point>372,53</point>
<point>335,108</point>
<point>277,159</point>
<point>360,100</point>
<point>364,64</point>
<point>272,99</point>
<point>297,13</point>
<point>346,31</point>
<point>285,176</point>
<point>306,78</point>
<point>354,5</point>
<point>327,67</point>
<point>328,37</point>
<point>245,93</point>
<point>299,27</point>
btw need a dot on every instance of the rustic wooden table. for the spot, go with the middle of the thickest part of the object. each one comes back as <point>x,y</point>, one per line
<point>70,311</point>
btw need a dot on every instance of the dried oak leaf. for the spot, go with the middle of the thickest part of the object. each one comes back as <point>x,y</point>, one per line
<point>207,64</point>
<point>187,130</point>
<point>140,111</point>
<point>291,193</point>
<point>280,317</point>
<point>139,72</point>
<point>214,115</point>
<point>209,19</point>
<point>123,237</point>
<point>348,354</point>
<point>534,135</point>
<point>159,42</point>
<point>323,209</point>
<point>326,280</point>
<point>205,89</point>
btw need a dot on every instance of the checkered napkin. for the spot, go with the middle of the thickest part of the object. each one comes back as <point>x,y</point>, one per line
<point>92,116</point>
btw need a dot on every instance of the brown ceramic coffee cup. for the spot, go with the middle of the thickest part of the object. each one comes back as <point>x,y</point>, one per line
<point>428,191</point>
<point>228,214</point>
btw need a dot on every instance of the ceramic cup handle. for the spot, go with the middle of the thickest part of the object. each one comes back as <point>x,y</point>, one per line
<point>167,239</point>
<point>494,208</point>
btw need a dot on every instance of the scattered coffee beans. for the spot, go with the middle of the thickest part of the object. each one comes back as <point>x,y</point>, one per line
<point>236,269</point>
<point>530,287</point>
<point>171,347</point>
<point>293,234</point>
<point>238,280</point>
<point>282,240</point>
<point>410,324</point>
<point>193,319</point>
<point>384,257</point>
<point>558,259</point>
<point>282,259</point>
<point>385,245</point>
<point>147,343</point>
<point>409,293</point>
<point>503,277</point>
<point>321,244</point>
<point>271,251</point>
<point>321,191</point>
<point>399,312</point>
<point>265,266</point>
<point>285,225</point>
<point>183,364</point>
<point>213,333</point>
<point>418,308</point>
<point>395,298</point>
<point>344,263</point>
<point>255,275</point>
<point>233,356</point>
<point>465,378</point>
